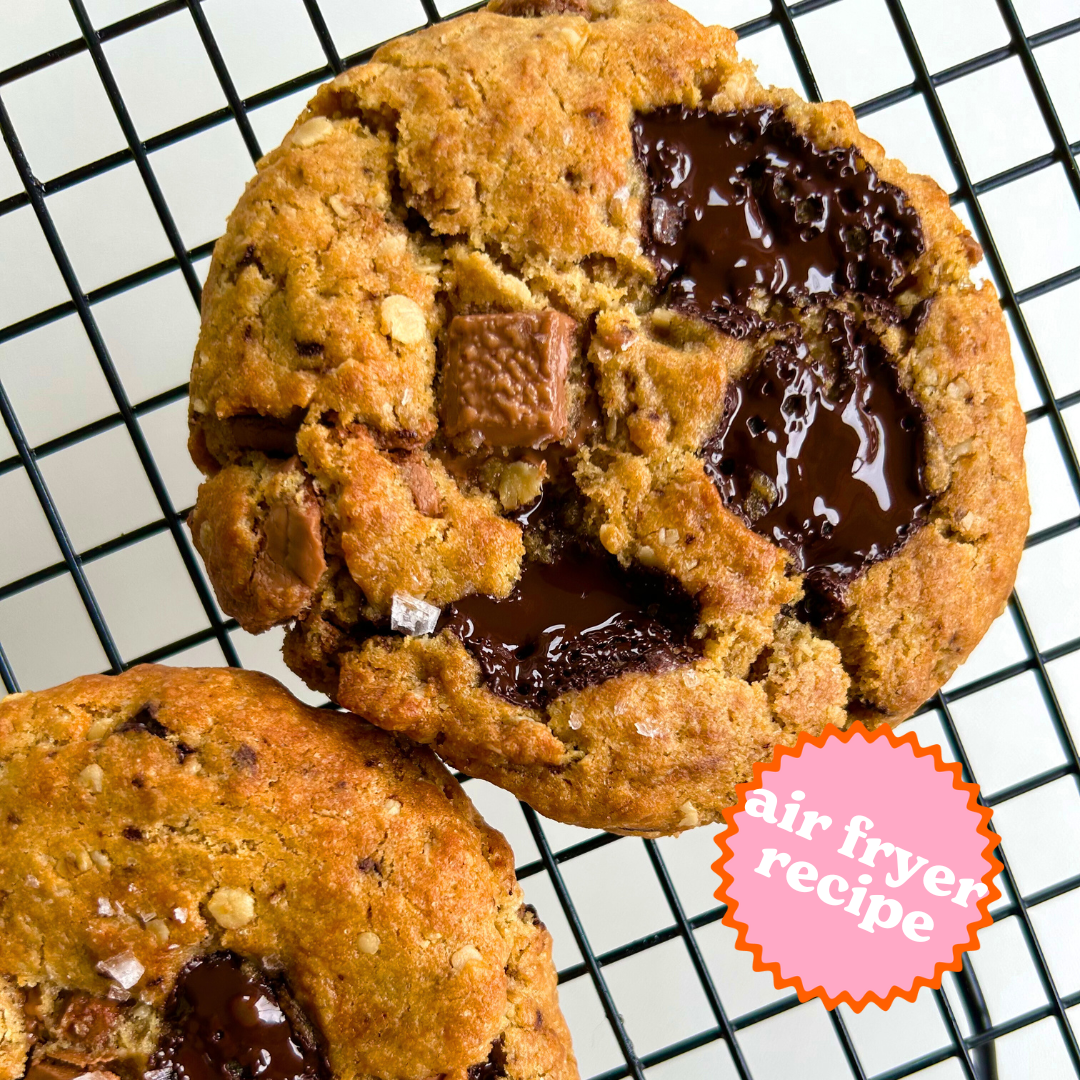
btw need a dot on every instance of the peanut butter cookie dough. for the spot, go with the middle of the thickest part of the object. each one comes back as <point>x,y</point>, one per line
<point>203,879</point>
<point>600,417</point>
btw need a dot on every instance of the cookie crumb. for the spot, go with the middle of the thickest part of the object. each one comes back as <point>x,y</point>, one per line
<point>403,320</point>
<point>232,908</point>
<point>465,956</point>
<point>612,537</point>
<point>689,819</point>
<point>99,729</point>
<point>519,485</point>
<point>316,130</point>
<point>646,556</point>
<point>92,777</point>
<point>159,928</point>
<point>411,616</point>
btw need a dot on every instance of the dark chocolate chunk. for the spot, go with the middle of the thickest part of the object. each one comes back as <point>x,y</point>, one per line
<point>829,468</point>
<point>145,720</point>
<point>244,757</point>
<point>494,1067</point>
<point>505,377</point>
<point>571,624</point>
<point>742,202</point>
<point>225,1021</point>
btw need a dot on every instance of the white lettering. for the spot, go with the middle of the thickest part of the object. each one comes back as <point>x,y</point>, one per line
<point>914,921</point>
<point>902,866</point>
<point>811,818</point>
<point>967,887</point>
<point>825,884</point>
<point>791,811</point>
<point>873,910</point>
<point>798,872</point>
<point>873,846</point>
<point>855,903</point>
<point>769,856</point>
<point>854,834</point>
<point>762,804</point>
<point>937,876</point>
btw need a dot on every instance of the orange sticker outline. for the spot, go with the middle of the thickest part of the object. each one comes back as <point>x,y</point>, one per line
<point>940,765</point>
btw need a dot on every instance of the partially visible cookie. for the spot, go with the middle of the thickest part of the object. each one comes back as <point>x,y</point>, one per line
<point>203,879</point>
<point>640,415</point>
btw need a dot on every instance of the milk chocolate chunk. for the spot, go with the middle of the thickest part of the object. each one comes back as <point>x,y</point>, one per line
<point>51,1069</point>
<point>224,1021</point>
<point>573,623</point>
<point>826,464</point>
<point>271,436</point>
<point>505,377</point>
<point>294,539</point>
<point>741,203</point>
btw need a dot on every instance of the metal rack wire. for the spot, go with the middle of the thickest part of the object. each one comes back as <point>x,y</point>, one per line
<point>973,1051</point>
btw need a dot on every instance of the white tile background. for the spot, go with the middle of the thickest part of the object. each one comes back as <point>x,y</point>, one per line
<point>138,327</point>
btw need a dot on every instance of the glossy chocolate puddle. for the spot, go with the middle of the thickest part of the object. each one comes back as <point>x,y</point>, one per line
<point>831,473</point>
<point>573,623</point>
<point>742,203</point>
<point>224,1021</point>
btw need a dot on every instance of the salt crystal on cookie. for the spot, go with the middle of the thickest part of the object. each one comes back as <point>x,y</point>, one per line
<point>408,615</point>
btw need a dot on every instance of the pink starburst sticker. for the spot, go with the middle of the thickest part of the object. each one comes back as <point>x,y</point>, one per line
<point>857,866</point>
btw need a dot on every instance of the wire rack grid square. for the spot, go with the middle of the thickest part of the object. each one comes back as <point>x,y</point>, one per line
<point>129,128</point>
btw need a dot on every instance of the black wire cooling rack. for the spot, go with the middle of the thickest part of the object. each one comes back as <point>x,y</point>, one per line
<point>972,1035</point>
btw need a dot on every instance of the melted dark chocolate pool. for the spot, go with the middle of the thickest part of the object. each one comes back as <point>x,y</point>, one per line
<point>831,474</point>
<point>571,624</point>
<point>742,202</point>
<point>225,1022</point>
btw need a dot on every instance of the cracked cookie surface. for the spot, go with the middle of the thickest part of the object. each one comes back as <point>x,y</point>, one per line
<point>479,321</point>
<point>201,877</point>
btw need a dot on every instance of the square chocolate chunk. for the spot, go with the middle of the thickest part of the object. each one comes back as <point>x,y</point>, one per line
<point>505,377</point>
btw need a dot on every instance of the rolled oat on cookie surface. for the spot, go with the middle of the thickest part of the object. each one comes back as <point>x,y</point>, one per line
<point>203,879</point>
<point>600,417</point>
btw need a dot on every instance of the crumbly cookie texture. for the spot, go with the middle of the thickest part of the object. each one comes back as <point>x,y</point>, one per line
<point>159,819</point>
<point>487,167</point>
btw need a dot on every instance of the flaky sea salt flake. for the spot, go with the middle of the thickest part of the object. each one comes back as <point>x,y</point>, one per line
<point>123,969</point>
<point>408,615</point>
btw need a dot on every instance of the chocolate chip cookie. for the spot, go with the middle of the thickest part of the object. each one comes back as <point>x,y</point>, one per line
<point>600,417</point>
<point>203,879</point>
